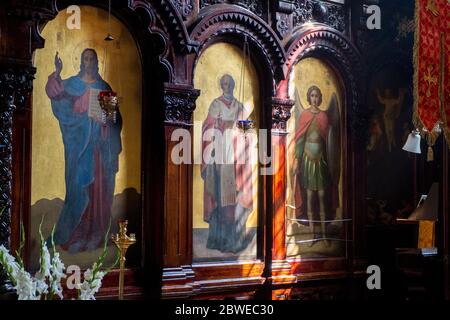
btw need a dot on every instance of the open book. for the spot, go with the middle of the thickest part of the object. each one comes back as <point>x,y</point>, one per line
<point>95,111</point>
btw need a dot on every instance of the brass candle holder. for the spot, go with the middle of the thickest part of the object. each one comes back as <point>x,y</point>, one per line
<point>123,242</point>
<point>245,125</point>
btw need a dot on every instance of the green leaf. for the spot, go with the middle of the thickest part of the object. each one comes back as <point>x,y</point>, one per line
<point>40,228</point>
<point>53,239</point>
<point>19,259</point>
<point>43,244</point>
<point>22,245</point>
<point>99,263</point>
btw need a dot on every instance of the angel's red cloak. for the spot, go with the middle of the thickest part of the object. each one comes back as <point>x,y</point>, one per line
<point>305,120</point>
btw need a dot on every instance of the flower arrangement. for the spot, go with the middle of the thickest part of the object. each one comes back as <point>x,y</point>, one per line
<point>46,283</point>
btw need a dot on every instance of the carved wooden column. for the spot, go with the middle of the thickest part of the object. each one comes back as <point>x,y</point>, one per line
<point>281,112</point>
<point>179,101</point>
<point>15,87</point>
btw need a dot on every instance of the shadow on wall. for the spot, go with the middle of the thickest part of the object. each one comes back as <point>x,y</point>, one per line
<point>126,204</point>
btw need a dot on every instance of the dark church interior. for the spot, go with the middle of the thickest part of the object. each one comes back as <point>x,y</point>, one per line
<point>224,150</point>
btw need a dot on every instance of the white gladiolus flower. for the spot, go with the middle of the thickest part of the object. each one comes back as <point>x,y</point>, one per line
<point>45,263</point>
<point>47,281</point>
<point>44,272</point>
<point>91,284</point>
<point>57,271</point>
<point>41,286</point>
<point>87,275</point>
<point>25,286</point>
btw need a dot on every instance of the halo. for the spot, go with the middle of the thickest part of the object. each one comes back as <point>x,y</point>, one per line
<point>313,72</point>
<point>98,46</point>
<point>326,91</point>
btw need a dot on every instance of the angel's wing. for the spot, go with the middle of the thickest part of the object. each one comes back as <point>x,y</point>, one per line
<point>334,139</point>
<point>298,106</point>
<point>298,110</point>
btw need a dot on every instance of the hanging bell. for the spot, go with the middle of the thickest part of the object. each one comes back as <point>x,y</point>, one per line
<point>413,142</point>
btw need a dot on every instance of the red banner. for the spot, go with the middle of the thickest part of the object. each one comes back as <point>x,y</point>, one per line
<point>427,61</point>
<point>446,71</point>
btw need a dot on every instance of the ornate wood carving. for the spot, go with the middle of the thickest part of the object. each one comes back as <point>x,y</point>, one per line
<point>319,11</point>
<point>255,6</point>
<point>184,6</point>
<point>179,103</point>
<point>281,113</point>
<point>239,22</point>
<point>283,17</point>
<point>33,9</point>
<point>205,3</point>
<point>176,28</point>
<point>15,88</point>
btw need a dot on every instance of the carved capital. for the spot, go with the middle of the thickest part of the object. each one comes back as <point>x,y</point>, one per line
<point>184,7</point>
<point>179,102</point>
<point>283,24</point>
<point>285,6</point>
<point>283,17</point>
<point>281,113</point>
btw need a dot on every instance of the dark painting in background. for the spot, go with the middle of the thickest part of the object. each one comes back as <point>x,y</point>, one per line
<point>390,170</point>
<point>390,187</point>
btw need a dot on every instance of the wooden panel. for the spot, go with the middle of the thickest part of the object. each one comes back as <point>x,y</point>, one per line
<point>21,170</point>
<point>172,208</point>
<point>318,266</point>
<point>227,276</point>
<point>227,270</point>
<point>178,228</point>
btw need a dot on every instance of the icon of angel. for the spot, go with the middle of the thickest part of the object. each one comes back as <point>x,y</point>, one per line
<point>316,162</point>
